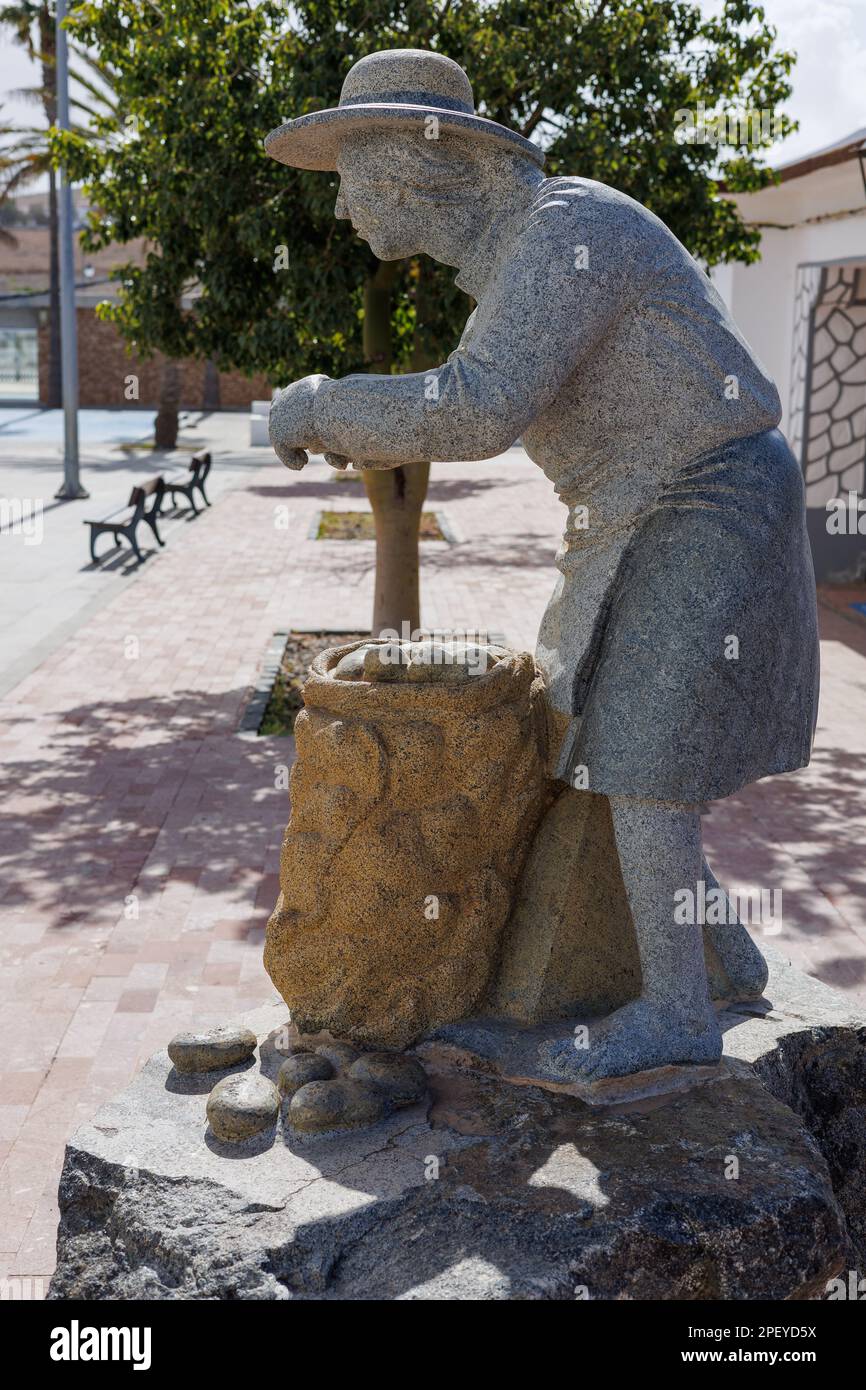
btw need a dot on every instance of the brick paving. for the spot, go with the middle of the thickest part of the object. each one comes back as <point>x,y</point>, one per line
<point>139,832</point>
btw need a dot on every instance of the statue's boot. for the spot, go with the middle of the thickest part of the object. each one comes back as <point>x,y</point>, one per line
<point>735,967</point>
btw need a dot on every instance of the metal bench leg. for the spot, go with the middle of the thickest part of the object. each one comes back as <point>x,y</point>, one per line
<point>95,533</point>
<point>130,536</point>
<point>186,492</point>
<point>151,521</point>
<point>204,494</point>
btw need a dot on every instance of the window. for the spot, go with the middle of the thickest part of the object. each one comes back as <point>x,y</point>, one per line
<point>19,364</point>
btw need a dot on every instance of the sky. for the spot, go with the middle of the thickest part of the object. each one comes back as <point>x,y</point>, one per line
<point>829,80</point>
<point>829,98</point>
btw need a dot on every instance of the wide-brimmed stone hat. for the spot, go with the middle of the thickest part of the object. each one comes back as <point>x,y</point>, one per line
<point>395,89</point>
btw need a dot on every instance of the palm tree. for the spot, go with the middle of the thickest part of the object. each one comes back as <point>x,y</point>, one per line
<point>8,165</point>
<point>28,157</point>
<point>33,23</point>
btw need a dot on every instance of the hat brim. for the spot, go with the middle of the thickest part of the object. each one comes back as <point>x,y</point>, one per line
<point>313,141</point>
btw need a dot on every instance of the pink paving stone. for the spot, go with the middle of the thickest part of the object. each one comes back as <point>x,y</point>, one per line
<point>20,1088</point>
<point>111,964</point>
<point>14,1222</point>
<point>234,929</point>
<point>137,1001</point>
<point>12,1118</point>
<point>221,974</point>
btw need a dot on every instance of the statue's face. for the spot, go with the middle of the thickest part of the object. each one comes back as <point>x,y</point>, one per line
<point>376,196</point>
<point>405,193</point>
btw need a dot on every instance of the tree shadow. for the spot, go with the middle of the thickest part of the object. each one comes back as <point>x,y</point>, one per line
<point>525,550</point>
<point>456,489</point>
<point>816,817</point>
<point>352,486</point>
<point>164,779</point>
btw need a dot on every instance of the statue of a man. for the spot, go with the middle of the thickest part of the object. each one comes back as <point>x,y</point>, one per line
<point>680,644</point>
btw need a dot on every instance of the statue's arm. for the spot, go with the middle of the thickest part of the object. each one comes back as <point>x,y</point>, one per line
<point>545,309</point>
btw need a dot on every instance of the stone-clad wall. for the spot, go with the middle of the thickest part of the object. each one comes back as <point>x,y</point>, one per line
<point>104,366</point>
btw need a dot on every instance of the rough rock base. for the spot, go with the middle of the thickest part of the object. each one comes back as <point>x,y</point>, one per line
<point>495,1191</point>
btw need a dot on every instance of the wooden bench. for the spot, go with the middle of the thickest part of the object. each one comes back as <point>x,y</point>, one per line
<point>190,481</point>
<point>143,505</point>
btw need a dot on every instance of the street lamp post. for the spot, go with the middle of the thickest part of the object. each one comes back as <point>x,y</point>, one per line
<point>71,486</point>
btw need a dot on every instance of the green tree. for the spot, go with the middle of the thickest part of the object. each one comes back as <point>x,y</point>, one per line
<point>247,264</point>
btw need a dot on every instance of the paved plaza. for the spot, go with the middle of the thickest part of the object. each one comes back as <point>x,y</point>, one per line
<point>139,831</point>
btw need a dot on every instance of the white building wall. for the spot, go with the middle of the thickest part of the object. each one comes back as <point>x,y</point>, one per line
<point>812,221</point>
<point>820,218</point>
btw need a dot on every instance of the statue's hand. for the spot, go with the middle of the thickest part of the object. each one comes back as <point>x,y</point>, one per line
<point>291,458</point>
<point>290,423</point>
<point>341,461</point>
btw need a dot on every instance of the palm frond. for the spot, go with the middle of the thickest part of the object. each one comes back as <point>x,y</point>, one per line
<point>102,69</point>
<point>101,94</point>
<point>76,104</point>
<point>31,96</point>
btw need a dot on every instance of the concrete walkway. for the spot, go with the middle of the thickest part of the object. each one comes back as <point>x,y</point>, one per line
<point>139,833</point>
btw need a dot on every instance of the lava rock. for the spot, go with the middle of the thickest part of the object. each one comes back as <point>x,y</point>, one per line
<point>302,1067</point>
<point>334,1105</point>
<point>240,1106</point>
<point>211,1051</point>
<point>503,1192</point>
<point>341,1055</point>
<point>401,1079</point>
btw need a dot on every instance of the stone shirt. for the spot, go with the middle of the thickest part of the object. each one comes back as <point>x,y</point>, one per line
<point>599,340</point>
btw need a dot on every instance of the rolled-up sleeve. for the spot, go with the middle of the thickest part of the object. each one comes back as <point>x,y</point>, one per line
<point>559,288</point>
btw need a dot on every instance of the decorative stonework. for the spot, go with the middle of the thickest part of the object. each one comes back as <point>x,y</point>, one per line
<point>805,299</point>
<point>828,414</point>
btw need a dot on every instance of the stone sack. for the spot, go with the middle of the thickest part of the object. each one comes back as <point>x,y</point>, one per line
<point>414,802</point>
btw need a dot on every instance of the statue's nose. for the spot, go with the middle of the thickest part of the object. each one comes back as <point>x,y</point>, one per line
<point>341,207</point>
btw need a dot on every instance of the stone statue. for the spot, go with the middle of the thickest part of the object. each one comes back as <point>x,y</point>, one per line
<point>679,647</point>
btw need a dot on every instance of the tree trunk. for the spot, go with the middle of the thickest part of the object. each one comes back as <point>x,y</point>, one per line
<point>211,387</point>
<point>166,423</point>
<point>396,494</point>
<point>397,498</point>
<point>49,102</point>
